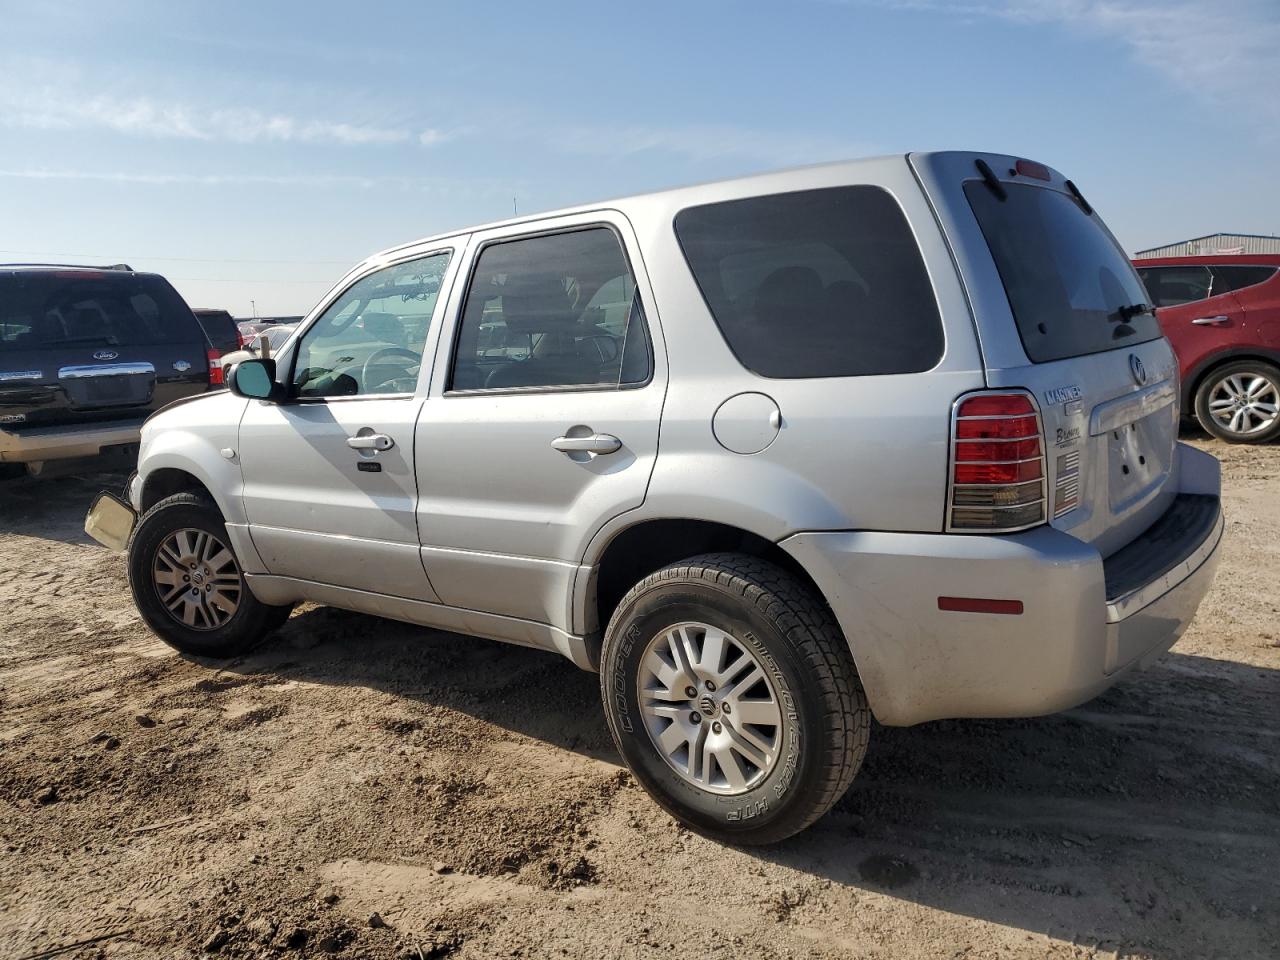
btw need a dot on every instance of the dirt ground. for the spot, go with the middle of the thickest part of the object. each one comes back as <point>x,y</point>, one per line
<point>362,788</point>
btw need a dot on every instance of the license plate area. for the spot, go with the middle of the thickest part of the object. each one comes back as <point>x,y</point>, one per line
<point>108,385</point>
<point>1139,456</point>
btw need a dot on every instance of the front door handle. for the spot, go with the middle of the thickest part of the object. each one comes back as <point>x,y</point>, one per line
<point>1210,321</point>
<point>370,441</point>
<point>597,443</point>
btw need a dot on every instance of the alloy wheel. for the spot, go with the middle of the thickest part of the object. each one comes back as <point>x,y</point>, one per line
<point>710,708</point>
<point>197,579</point>
<point>1245,403</point>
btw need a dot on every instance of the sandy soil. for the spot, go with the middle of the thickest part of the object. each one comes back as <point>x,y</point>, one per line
<point>362,788</point>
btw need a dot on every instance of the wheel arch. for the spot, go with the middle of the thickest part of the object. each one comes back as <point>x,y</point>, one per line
<point>635,551</point>
<point>165,482</point>
<point>1196,376</point>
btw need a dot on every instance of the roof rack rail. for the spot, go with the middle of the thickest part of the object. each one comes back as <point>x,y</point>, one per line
<point>76,266</point>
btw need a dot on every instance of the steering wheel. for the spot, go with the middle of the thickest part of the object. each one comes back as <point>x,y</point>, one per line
<point>384,353</point>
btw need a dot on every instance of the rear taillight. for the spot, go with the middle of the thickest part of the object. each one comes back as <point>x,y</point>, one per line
<point>997,464</point>
<point>215,368</point>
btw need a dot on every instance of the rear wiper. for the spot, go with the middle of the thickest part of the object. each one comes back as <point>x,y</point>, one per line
<point>1135,310</point>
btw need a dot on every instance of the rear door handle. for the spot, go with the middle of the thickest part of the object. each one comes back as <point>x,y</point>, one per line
<point>370,441</point>
<point>1210,321</point>
<point>597,443</point>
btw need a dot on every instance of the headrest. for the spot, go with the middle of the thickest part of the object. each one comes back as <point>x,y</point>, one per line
<point>536,303</point>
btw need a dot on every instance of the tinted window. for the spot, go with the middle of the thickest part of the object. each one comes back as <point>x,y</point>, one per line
<point>560,310</point>
<point>1173,286</point>
<point>1067,280</point>
<point>370,340</point>
<point>819,283</point>
<point>1229,278</point>
<point>49,310</point>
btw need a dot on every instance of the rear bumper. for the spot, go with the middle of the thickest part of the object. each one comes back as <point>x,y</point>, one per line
<point>68,441</point>
<point>1074,638</point>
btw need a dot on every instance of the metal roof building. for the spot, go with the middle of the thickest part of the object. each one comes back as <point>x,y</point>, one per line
<point>1215,243</point>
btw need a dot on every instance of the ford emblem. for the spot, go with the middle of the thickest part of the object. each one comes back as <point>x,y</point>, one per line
<point>105,355</point>
<point>181,366</point>
<point>1138,369</point>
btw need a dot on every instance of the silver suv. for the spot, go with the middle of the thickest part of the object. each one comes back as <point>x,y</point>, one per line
<point>890,438</point>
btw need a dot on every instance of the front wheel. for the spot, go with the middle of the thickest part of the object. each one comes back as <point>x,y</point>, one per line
<point>731,695</point>
<point>1240,402</point>
<point>187,582</point>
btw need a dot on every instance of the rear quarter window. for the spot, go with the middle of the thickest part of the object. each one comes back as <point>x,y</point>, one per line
<point>816,283</point>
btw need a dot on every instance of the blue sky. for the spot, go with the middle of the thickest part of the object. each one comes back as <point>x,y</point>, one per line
<point>253,151</point>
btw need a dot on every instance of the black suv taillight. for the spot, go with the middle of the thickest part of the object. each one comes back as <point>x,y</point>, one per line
<point>215,368</point>
<point>997,463</point>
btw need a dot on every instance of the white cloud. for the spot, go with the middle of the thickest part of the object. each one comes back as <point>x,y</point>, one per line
<point>53,108</point>
<point>1226,52</point>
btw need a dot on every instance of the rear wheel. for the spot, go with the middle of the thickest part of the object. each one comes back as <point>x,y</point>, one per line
<point>731,695</point>
<point>187,582</point>
<point>1240,402</point>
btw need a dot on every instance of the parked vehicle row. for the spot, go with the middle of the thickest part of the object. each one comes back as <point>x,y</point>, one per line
<point>86,355</point>
<point>1222,315</point>
<point>918,460</point>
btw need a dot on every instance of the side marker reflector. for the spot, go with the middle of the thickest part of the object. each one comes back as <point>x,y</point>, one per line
<point>979,605</point>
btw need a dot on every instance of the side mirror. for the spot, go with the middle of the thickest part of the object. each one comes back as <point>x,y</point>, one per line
<point>256,379</point>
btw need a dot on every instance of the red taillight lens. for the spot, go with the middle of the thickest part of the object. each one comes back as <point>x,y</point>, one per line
<point>997,464</point>
<point>215,368</point>
<point>996,405</point>
<point>991,473</point>
<point>1010,428</point>
<point>992,451</point>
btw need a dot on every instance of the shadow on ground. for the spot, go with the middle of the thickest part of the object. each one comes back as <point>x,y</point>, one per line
<point>1146,814</point>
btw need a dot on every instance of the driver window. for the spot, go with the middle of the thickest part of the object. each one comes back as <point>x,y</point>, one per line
<point>370,340</point>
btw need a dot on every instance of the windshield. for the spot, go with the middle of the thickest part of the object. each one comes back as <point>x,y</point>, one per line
<point>50,309</point>
<point>1070,286</point>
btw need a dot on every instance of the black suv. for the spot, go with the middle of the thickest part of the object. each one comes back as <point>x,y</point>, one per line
<point>220,327</point>
<point>87,354</point>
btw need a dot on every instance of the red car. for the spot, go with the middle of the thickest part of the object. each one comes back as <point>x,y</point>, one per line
<point>1222,315</point>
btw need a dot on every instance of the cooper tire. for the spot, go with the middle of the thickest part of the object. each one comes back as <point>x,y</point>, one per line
<point>1256,383</point>
<point>791,635</point>
<point>234,621</point>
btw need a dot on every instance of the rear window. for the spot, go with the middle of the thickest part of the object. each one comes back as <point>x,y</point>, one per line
<point>48,310</point>
<point>1069,284</point>
<point>818,283</point>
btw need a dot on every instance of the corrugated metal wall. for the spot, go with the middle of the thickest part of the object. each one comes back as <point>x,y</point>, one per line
<point>1218,243</point>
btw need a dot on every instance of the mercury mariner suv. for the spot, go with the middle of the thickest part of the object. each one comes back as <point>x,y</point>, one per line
<point>891,438</point>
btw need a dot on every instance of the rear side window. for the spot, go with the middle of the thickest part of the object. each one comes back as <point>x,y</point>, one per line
<point>1070,286</point>
<point>1174,286</point>
<point>554,311</point>
<point>817,283</point>
<point>49,310</point>
<point>1230,278</point>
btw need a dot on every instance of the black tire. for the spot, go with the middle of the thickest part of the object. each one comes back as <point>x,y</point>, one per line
<point>245,628</point>
<point>1249,370</point>
<point>796,641</point>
